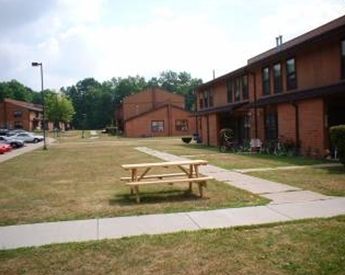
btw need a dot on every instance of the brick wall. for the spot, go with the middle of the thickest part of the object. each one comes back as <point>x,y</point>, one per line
<point>141,125</point>
<point>286,121</point>
<point>319,65</point>
<point>220,96</point>
<point>2,115</point>
<point>24,119</point>
<point>149,99</point>
<point>312,127</point>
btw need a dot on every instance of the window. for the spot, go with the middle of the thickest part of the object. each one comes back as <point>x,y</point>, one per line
<point>291,80</point>
<point>277,77</point>
<point>237,88</point>
<point>181,125</point>
<point>17,113</point>
<point>230,91</point>
<point>210,97</point>
<point>271,124</point>
<point>157,126</point>
<point>266,81</point>
<point>201,100</point>
<point>18,125</point>
<point>206,98</point>
<point>343,59</point>
<point>244,87</point>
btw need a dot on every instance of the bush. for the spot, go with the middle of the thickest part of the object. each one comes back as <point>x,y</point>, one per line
<point>337,134</point>
<point>186,139</point>
<point>112,130</point>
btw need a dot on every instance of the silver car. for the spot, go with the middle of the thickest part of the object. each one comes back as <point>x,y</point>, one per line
<point>28,137</point>
<point>15,143</point>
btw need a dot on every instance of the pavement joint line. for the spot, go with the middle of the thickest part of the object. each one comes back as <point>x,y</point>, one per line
<point>193,221</point>
<point>280,213</point>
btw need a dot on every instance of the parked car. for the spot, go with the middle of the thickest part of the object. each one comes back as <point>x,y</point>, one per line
<point>16,131</point>
<point>28,137</point>
<point>4,132</point>
<point>4,147</point>
<point>15,143</point>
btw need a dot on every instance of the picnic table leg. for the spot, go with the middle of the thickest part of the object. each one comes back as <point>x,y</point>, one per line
<point>134,174</point>
<point>190,176</point>
<point>201,185</point>
<point>136,190</point>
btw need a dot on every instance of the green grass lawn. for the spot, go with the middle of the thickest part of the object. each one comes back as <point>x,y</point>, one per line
<point>310,247</point>
<point>80,178</point>
<point>232,160</point>
<point>328,181</point>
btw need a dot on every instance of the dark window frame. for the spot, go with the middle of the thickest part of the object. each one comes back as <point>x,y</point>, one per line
<point>206,94</point>
<point>181,125</point>
<point>271,124</point>
<point>237,89</point>
<point>157,128</point>
<point>18,125</point>
<point>245,89</point>
<point>210,97</point>
<point>266,81</point>
<point>277,78</point>
<point>291,75</point>
<point>201,100</point>
<point>17,113</point>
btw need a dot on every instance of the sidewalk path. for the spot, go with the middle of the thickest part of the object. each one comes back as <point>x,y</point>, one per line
<point>277,192</point>
<point>288,203</point>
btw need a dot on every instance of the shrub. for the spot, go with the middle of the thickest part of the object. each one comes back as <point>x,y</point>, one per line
<point>337,134</point>
<point>112,130</point>
<point>186,139</point>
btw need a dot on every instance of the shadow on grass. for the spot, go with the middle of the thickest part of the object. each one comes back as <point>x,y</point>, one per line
<point>148,197</point>
<point>333,170</point>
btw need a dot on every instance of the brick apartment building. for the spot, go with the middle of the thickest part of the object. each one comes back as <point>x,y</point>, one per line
<point>155,112</point>
<point>293,92</point>
<point>15,114</point>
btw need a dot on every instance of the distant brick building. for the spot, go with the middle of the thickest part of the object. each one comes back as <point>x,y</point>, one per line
<point>294,92</point>
<point>15,114</point>
<point>155,112</point>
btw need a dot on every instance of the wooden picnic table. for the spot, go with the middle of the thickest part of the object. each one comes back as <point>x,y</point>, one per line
<point>140,174</point>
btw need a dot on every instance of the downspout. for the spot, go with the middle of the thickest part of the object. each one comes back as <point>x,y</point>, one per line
<point>297,147</point>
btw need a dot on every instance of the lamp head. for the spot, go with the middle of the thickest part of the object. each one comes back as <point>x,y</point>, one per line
<point>35,64</point>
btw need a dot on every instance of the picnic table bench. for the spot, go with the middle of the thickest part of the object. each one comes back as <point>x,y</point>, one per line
<point>139,175</point>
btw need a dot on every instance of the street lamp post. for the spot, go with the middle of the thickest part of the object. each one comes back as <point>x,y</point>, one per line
<point>36,64</point>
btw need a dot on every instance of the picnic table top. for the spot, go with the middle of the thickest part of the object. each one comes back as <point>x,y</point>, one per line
<point>167,163</point>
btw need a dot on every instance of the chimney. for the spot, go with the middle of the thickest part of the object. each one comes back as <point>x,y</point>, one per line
<point>279,41</point>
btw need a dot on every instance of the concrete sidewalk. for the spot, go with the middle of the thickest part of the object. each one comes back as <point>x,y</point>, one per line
<point>111,228</point>
<point>288,203</point>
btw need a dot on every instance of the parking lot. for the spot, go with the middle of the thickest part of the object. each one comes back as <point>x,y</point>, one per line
<point>27,148</point>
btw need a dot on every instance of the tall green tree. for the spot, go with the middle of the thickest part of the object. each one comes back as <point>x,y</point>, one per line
<point>180,83</point>
<point>15,90</point>
<point>58,107</point>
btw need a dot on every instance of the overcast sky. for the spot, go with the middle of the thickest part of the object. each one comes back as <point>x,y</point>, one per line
<point>75,39</point>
